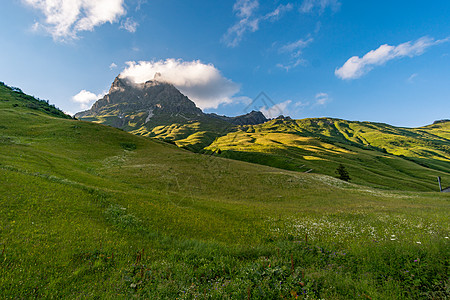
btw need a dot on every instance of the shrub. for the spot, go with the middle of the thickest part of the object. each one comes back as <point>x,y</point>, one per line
<point>342,173</point>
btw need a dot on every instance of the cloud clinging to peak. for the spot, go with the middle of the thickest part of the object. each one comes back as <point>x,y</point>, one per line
<point>355,66</point>
<point>202,83</point>
<point>65,18</point>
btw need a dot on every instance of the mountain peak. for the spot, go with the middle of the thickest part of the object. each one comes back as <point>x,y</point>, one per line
<point>125,98</point>
<point>118,84</point>
<point>144,106</point>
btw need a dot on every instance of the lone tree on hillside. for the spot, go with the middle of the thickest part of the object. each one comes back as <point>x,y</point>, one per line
<point>342,173</point>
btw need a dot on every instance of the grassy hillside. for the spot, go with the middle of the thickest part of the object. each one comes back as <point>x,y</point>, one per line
<point>193,135</point>
<point>13,96</point>
<point>190,133</point>
<point>376,155</point>
<point>90,211</point>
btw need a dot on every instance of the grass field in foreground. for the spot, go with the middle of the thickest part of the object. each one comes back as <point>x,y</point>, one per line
<point>89,211</point>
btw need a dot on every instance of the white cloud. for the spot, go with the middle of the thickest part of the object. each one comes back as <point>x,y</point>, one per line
<point>245,8</point>
<point>86,98</point>
<point>276,110</point>
<point>129,25</point>
<point>202,83</point>
<point>356,67</point>
<point>292,65</point>
<point>140,3</point>
<point>278,12</point>
<point>295,49</point>
<point>248,21</point>
<point>322,98</point>
<point>242,99</point>
<point>301,104</point>
<point>309,6</point>
<point>112,66</point>
<point>65,18</point>
<point>293,109</point>
<point>412,77</point>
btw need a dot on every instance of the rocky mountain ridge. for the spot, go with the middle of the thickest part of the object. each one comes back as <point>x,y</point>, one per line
<point>126,101</point>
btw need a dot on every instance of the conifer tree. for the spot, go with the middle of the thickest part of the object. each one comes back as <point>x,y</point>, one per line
<point>342,173</point>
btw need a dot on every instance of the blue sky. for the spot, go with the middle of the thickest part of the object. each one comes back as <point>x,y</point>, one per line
<point>383,61</point>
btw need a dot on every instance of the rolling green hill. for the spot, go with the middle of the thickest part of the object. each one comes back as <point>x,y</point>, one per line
<point>377,155</point>
<point>91,211</point>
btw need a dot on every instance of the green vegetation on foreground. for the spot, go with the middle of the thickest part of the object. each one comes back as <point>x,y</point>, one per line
<point>90,211</point>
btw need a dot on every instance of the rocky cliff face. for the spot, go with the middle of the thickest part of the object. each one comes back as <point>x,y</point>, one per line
<point>152,97</point>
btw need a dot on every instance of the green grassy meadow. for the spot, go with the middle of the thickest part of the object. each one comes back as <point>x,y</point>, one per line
<point>91,211</point>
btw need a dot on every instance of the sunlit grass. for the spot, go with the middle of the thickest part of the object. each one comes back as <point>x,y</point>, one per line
<point>320,145</point>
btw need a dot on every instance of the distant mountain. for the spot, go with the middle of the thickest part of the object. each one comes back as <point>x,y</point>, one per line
<point>252,118</point>
<point>160,110</point>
